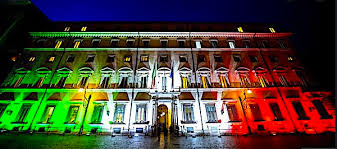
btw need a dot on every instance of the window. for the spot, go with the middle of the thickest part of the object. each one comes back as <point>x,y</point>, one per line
<point>204,81</point>
<point>143,82</point>
<point>231,44</point>
<point>127,58</point>
<point>129,43</point>
<point>291,59</point>
<point>39,82</point>
<point>17,83</point>
<point>224,81</point>
<point>70,58</point>
<point>47,114</point>
<point>181,44</point>
<point>32,59</point>
<point>58,43</point>
<point>276,111</point>
<point>262,80</point>
<point>146,42</point>
<point>164,83</point>
<point>96,117</point>
<point>124,82</point>
<point>272,30</point>
<point>51,59</point>
<point>163,58</point>
<point>119,113</point>
<point>141,113</point>
<point>83,82</point>
<point>188,113</point>
<point>20,118</point>
<point>144,58</point>
<point>273,59</point>
<point>2,109</point>
<point>247,43</point>
<point>72,114</point>
<point>244,79</point>
<point>61,82</point>
<point>256,112</point>
<point>321,109</point>
<point>67,29</point>
<point>106,82</point>
<point>253,59</point>
<point>214,43</point>
<point>218,58</point>
<point>201,58</point>
<point>302,78</point>
<point>198,43</point>
<point>95,43</point>
<point>240,29</point>
<point>299,110</point>
<point>40,42</point>
<point>111,58</point>
<point>265,44</point>
<point>163,43</point>
<point>236,58</point>
<point>114,43</point>
<point>84,28</point>
<point>90,58</point>
<point>184,82</point>
<point>283,79</point>
<point>182,58</point>
<point>232,113</point>
<point>77,44</point>
<point>211,113</point>
<point>282,45</point>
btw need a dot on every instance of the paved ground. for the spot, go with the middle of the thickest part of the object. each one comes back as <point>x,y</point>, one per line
<point>37,141</point>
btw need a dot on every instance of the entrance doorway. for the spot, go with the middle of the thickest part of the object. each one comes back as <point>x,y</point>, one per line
<point>162,115</point>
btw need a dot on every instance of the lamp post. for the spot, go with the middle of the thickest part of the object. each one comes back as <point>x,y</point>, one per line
<point>243,108</point>
<point>86,103</point>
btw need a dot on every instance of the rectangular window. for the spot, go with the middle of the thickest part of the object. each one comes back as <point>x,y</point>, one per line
<point>253,59</point>
<point>182,58</point>
<point>72,114</point>
<point>77,44</point>
<point>236,58</point>
<point>127,58</point>
<point>124,82</point>
<point>276,111</point>
<point>198,44</point>
<point>70,58</point>
<point>262,80</point>
<point>58,43</point>
<point>39,82</point>
<point>119,113</point>
<point>164,83</point>
<point>47,114</point>
<point>106,82</point>
<point>282,44</point>
<point>204,82</point>
<point>2,109</point>
<point>214,43</point>
<point>141,113</point>
<point>201,58</point>
<point>146,43</point>
<point>114,43</point>
<point>247,43</point>
<point>218,58</point>
<point>83,82</point>
<point>144,58</point>
<point>143,82</point>
<point>90,58</point>
<point>321,109</point>
<point>95,43</point>
<point>110,59</point>
<point>97,115</point>
<point>84,28</point>
<point>20,118</point>
<point>231,44</point>
<point>67,29</point>
<point>299,110</point>
<point>256,112</point>
<point>181,44</point>
<point>232,113</point>
<point>211,113</point>
<point>32,59</point>
<point>184,81</point>
<point>265,44</point>
<point>163,43</point>
<point>244,80</point>
<point>224,81</point>
<point>163,58</point>
<point>302,78</point>
<point>17,83</point>
<point>129,43</point>
<point>283,80</point>
<point>61,82</point>
<point>51,59</point>
<point>188,113</point>
<point>273,59</point>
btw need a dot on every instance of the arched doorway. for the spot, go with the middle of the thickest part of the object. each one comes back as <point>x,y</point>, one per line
<point>162,115</point>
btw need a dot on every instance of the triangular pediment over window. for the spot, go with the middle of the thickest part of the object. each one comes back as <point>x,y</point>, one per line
<point>107,69</point>
<point>222,69</point>
<point>280,69</point>
<point>86,70</point>
<point>22,70</point>
<point>64,70</point>
<point>125,69</point>
<point>242,69</point>
<point>43,70</point>
<point>186,96</point>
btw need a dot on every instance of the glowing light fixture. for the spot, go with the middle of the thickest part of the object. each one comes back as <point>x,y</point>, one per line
<point>84,28</point>
<point>240,29</point>
<point>80,90</point>
<point>58,44</point>
<point>272,30</point>
<point>13,58</point>
<point>249,91</point>
<point>32,59</point>
<point>77,44</point>
<point>66,29</point>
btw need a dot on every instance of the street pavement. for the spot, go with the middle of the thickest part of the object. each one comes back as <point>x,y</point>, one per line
<point>44,141</point>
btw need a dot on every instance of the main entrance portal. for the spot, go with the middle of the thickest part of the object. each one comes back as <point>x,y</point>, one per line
<point>162,116</point>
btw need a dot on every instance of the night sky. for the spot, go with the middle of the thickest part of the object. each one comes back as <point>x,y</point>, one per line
<point>312,21</point>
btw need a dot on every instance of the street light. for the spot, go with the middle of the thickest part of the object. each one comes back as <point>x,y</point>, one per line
<point>243,108</point>
<point>86,103</point>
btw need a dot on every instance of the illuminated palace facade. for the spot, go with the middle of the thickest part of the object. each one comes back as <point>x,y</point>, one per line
<point>83,79</point>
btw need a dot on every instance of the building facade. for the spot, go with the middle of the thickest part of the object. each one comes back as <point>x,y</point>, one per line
<point>81,80</point>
